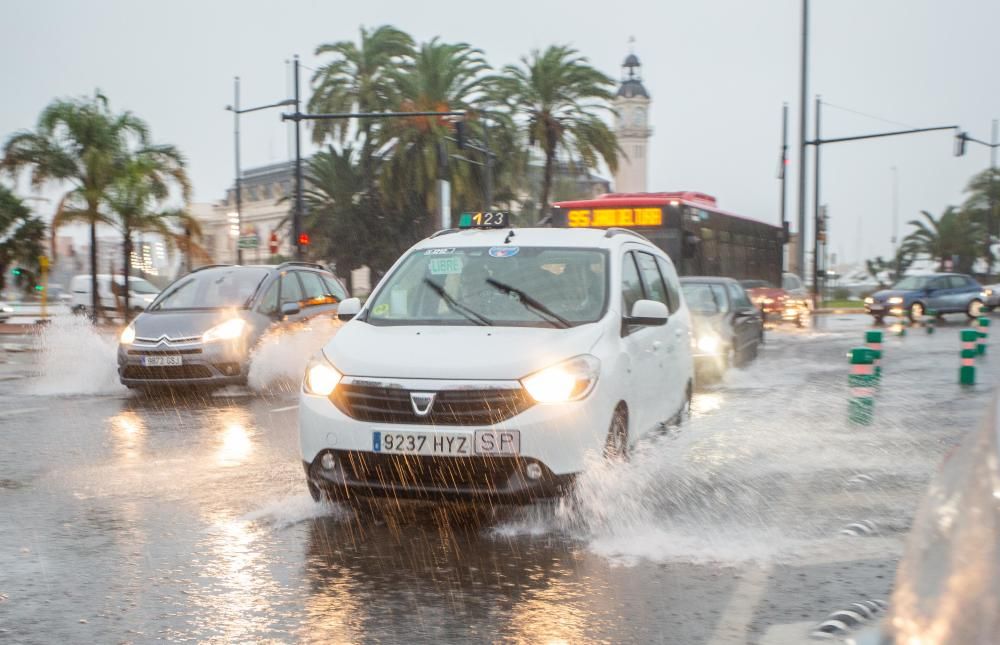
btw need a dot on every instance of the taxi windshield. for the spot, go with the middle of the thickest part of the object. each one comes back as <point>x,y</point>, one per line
<point>220,288</point>
<point>501,286</point>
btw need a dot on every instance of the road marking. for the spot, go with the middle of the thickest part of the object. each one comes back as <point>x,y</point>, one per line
<point>10,413</point>
<point>739,613</point>
<point>285,409</point>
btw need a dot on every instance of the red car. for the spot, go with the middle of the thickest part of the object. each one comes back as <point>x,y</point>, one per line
<point>789,302</point>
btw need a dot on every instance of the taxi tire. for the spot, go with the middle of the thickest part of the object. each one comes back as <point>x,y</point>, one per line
<point>616,445</point>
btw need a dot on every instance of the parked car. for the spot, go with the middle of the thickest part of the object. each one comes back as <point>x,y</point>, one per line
<point>201,329</point>
<point>493,364</point>
<point>789,303</point>
<point>913,295</point>
<point>728,328</point>
<point>141,292</point>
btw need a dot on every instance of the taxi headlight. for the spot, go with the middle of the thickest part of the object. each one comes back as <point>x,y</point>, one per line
<point>321,377</point>
<point>567,381</point>
<point>895,300</point>
<point>709,343</point>
<point>232,328</point>
<point>128,335</point>
<point>869,300</point>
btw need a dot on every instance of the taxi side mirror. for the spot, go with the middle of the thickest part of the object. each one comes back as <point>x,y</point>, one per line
<point>648,312</point>
<point>348,309</point>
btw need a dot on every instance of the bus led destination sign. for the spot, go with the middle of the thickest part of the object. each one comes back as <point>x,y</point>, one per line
<point>626,217</point>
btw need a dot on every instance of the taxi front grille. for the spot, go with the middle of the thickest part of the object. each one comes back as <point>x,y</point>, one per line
<point>484,473</point>
<point>379,404</point>
<point>166,372</point>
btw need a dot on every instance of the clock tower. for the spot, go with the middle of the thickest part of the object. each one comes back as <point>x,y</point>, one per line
<point>632,128</point>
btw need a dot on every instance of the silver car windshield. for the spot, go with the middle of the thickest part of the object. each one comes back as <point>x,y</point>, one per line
<point>219,288</point>
<point>479,285</point>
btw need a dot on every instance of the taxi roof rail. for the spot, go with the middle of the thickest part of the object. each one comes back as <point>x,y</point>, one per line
<point>617,230</point>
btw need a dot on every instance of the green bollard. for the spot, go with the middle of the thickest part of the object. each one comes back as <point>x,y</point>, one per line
<point>930,320</point>
<point>861,382</point>
<point>984,334</point>
<point>873,341</point>
<point>967,372</point>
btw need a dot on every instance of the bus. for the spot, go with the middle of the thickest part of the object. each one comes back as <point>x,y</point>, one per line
<point>690,228</point>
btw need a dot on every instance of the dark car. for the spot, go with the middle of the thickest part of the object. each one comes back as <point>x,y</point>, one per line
<point>914,295</point>
<point>201,329</point>
<point>789,302</point>
<point>728,328</point>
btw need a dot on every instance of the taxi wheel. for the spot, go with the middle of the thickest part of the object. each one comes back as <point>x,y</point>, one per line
<point>616,446</point>
<point>974,309</point>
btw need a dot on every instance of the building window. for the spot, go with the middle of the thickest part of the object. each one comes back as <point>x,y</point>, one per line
<point>267,191</point>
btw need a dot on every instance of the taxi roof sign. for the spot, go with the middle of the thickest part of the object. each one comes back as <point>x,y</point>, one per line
<point>484,219</point>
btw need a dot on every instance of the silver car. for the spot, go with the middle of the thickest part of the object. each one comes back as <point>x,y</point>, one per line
<point>200,330</point>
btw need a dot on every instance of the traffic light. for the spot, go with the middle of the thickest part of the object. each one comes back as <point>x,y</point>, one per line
<point>960,140</point>
<point>17,271</point>
<point>39,287</point>
<point>272,244</point>
<point>303,239</point>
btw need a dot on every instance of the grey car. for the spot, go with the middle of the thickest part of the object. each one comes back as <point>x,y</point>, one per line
<point>201,329</point>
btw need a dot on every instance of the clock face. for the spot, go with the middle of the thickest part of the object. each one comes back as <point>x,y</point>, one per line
<point>639,117</point>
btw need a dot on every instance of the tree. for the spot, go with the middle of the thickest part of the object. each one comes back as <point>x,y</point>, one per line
<point>896,267</point>
<point>22,235</point>
<point>562,96</point>
<point>138,199</point>
<point>954,233</point>
<point>357,79</point>
<point>78,142</point>
<point>982,205</point>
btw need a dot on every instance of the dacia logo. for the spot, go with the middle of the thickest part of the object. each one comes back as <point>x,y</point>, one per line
<point>422,402</point>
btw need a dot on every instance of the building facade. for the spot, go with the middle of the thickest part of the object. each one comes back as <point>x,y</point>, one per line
<point>632,128</point>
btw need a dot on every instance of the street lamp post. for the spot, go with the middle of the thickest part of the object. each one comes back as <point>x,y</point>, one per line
<point>237,111</point>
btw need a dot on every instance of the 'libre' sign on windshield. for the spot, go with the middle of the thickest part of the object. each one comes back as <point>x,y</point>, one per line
<point>627,217</point>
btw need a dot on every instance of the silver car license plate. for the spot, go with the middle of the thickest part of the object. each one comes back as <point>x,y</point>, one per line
<point>162,361</point>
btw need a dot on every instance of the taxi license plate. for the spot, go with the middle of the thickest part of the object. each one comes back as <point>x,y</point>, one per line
<point>162,361</point>
<point>481,442</point>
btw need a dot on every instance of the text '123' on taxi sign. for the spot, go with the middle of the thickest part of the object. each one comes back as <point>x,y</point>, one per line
<point>484,219</point>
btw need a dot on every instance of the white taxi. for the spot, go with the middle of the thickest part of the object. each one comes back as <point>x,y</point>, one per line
<point>489,363</point>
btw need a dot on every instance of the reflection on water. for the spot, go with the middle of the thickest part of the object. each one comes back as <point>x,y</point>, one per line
<point>128,431</point>
<point>235,437</point>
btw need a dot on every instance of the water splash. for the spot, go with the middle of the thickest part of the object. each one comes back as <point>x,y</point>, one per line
<point>75,357</point>
<point>279,360</point>
<point>283,513</point>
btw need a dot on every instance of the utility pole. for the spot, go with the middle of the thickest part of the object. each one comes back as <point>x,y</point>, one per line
<point>993,213</point>
<point>239,174</point>
<point>803,114</point>
<point>297,214</point>
<point>895,221</point>
<point>817,224</point>
<point>783,169</point>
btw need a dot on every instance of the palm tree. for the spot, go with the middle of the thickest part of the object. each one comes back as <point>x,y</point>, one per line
<point>441,77</point>
<point>562,96</point>
<point>954,233</point>
<point>357,79</point>
<point>137,199</point>
<point>22,235</point>
<point>79,142</point>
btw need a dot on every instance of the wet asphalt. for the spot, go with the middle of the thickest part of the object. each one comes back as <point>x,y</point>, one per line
<point>134,519</point>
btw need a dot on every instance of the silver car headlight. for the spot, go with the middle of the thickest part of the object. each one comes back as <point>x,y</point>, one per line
<point>229,330</point>
<point>570,380</point>
<point>128,335</point>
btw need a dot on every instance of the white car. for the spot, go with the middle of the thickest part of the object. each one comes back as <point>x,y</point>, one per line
<point>141,292</point>
<point>494,363</point>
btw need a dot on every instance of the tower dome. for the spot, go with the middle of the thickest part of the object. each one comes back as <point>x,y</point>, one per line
<point>632,79</point>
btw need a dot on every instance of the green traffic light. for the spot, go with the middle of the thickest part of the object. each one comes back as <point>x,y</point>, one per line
<point>39,287</point>
<point>16,271</point>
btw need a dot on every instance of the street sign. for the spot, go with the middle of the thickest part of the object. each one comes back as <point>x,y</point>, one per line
<point>249,241</point>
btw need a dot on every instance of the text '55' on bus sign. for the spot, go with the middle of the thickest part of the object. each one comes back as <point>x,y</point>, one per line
<point>484,219</point>
<point>625,217</point>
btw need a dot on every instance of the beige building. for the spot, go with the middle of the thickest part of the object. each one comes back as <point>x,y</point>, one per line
<point>632,128</point>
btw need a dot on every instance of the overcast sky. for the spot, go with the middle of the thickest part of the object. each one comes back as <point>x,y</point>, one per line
<point>718,72</point>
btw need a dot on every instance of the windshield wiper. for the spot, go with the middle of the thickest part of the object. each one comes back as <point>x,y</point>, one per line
<point>458,307</point>
<point>552,317</point>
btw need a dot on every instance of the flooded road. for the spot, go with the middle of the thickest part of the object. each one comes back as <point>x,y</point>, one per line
<point>130,519</point>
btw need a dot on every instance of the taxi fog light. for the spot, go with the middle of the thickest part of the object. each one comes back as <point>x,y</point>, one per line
<point>321,377</point>
<point>533,471</point>
<point>327,461</point>
<point>567,381</point>
<point>708,343</point>
<point>229,330</point>
<point>128,335</point>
